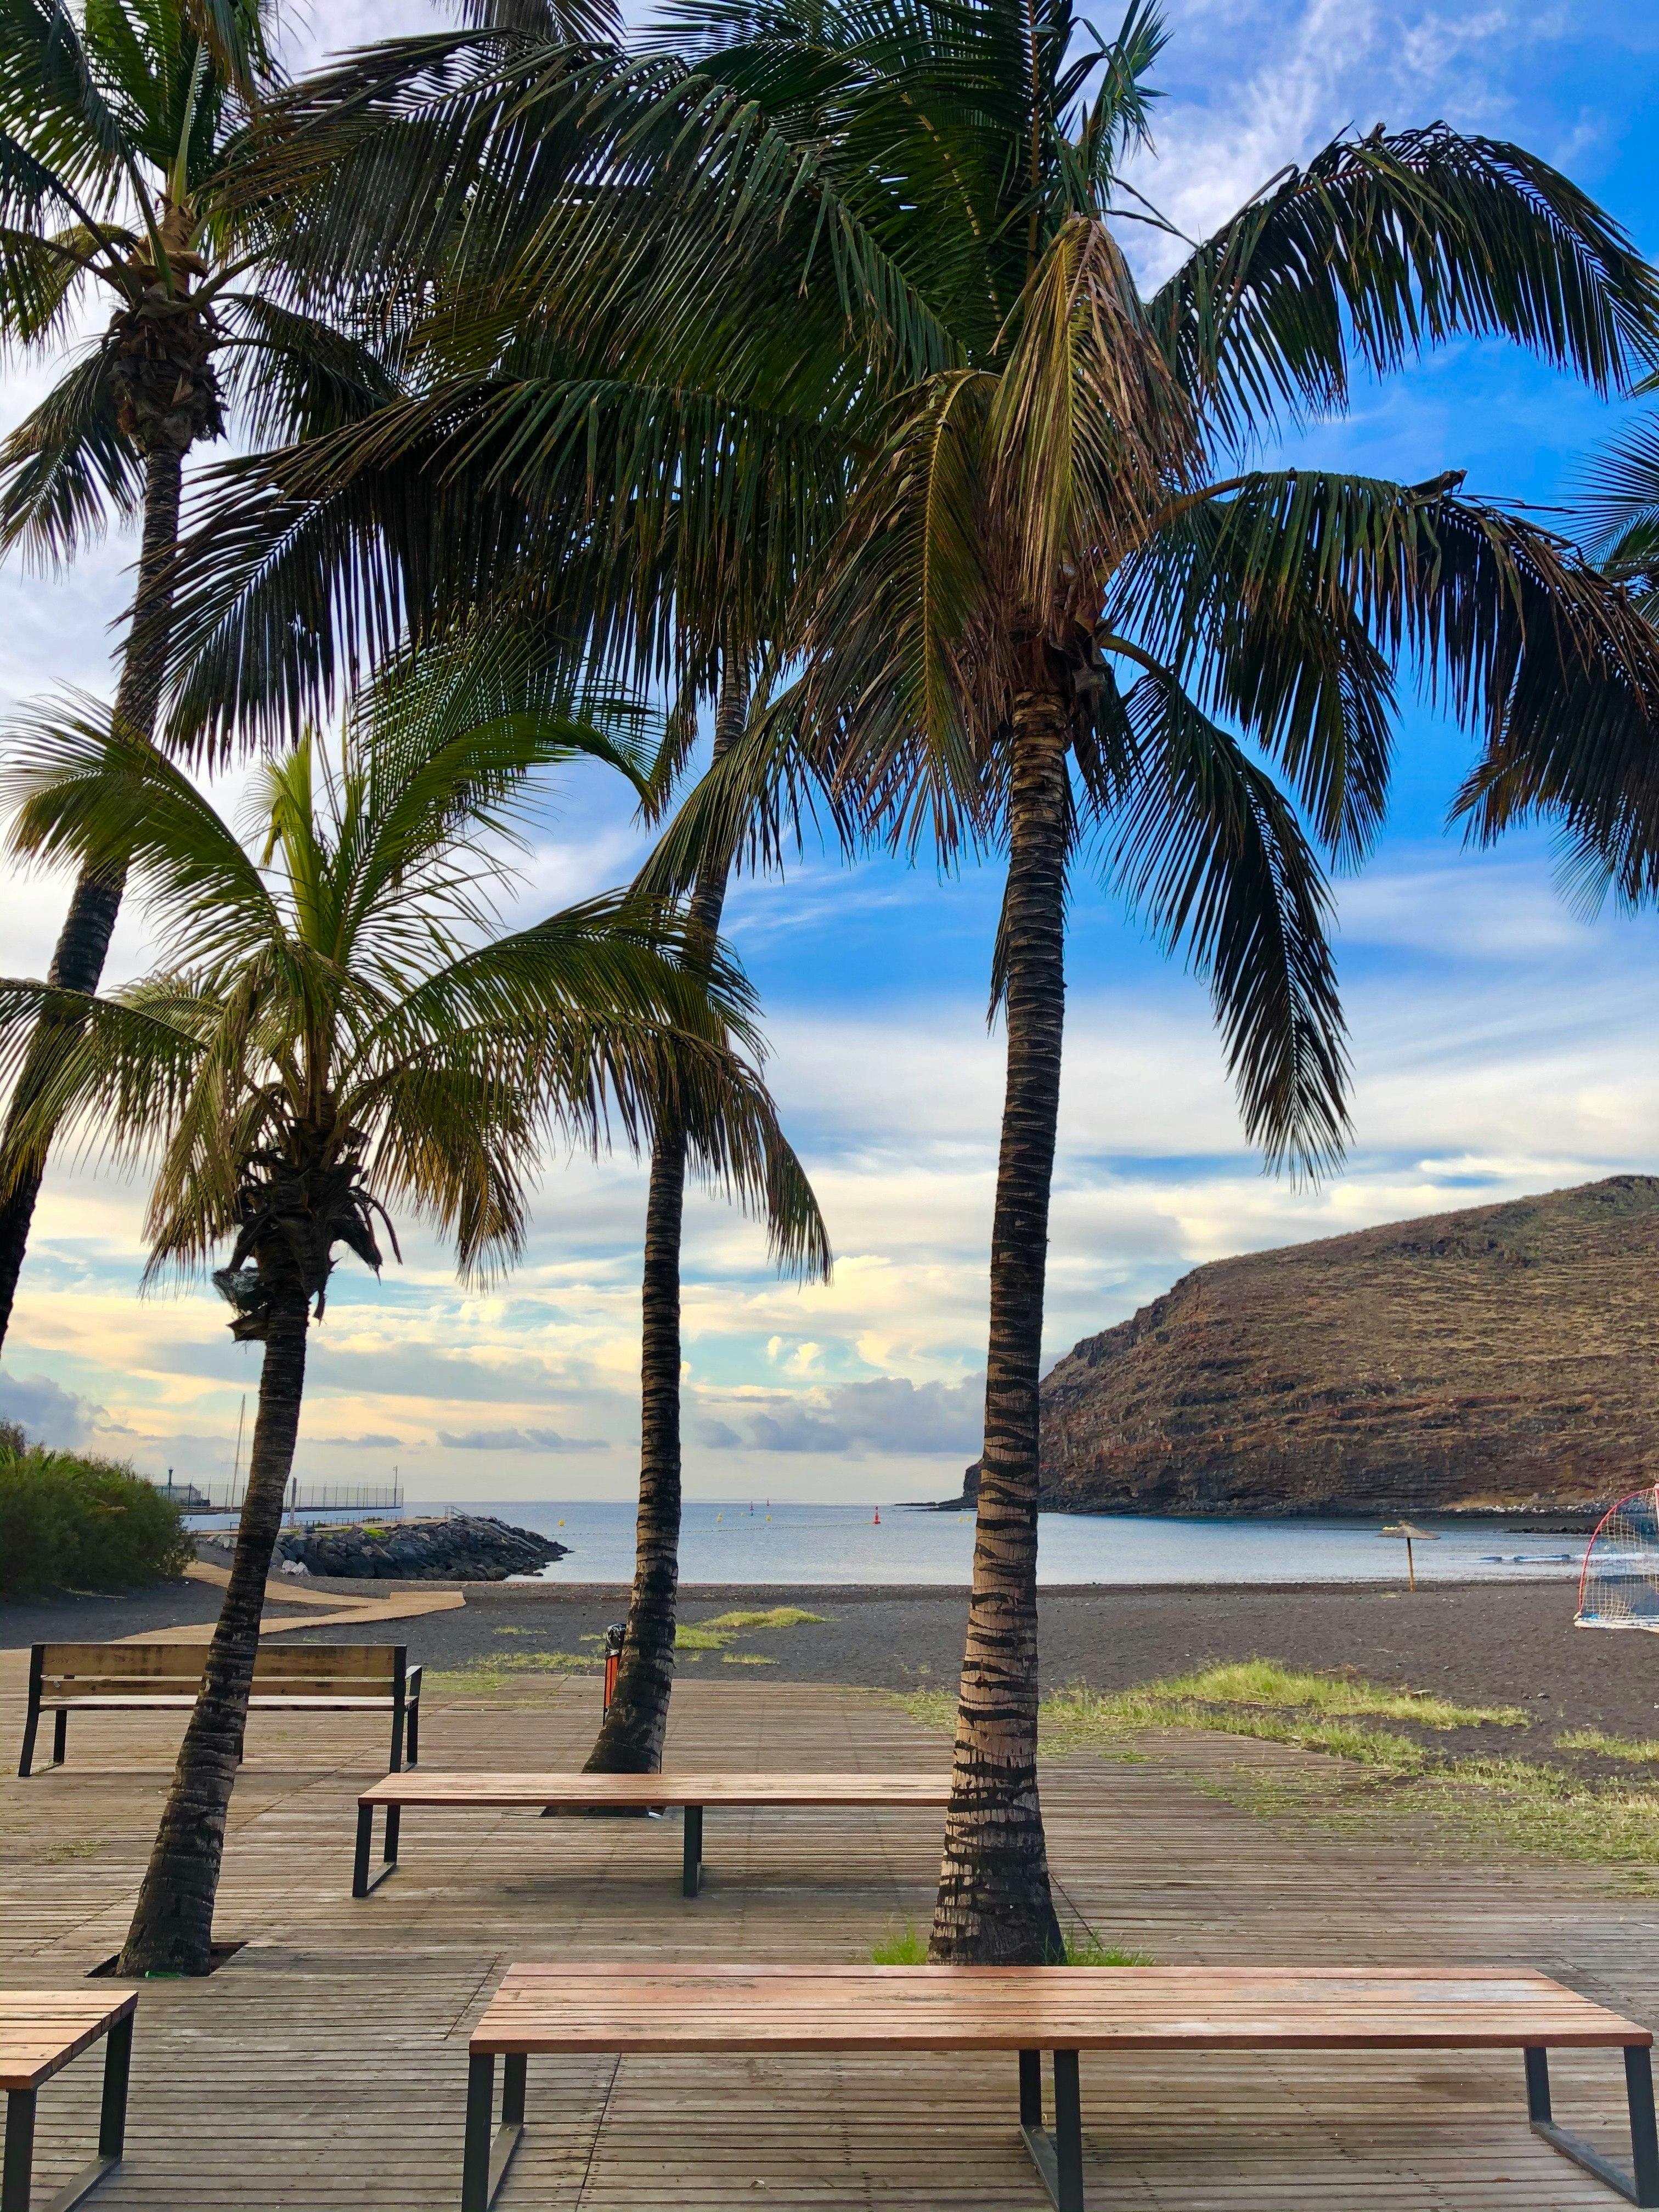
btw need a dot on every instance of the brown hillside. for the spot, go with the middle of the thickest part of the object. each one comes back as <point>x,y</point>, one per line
<point>1502,1355</point>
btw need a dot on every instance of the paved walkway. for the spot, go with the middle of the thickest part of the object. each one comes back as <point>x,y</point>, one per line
<point>324,2066</point>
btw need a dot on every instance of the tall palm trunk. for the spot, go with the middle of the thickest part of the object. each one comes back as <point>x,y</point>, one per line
<point>171,1930</point>
<point>630,1737</point>
<point>78,961</point>
<point>995,1906</point>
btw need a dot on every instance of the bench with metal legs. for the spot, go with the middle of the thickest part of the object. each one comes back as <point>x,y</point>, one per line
<point>136,1678</point>
<point>623,1793</point>
<point>40,2032</point>
<point>589,2009</point>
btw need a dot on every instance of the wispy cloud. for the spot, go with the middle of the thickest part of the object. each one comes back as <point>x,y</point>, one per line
<point>525,1440</point>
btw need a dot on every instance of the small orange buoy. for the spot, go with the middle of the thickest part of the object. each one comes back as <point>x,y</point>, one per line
<point>875,1523</point>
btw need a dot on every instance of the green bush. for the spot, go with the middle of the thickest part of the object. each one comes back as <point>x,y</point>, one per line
<point>75,1523</point>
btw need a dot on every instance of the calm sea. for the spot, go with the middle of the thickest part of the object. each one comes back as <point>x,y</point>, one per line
<point>763,1543</point>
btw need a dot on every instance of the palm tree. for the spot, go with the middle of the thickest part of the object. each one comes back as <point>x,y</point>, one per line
<point>1056,589</point>
<point>865,256</point>
<point>751,792</point>
<point>126,170</point>
<point>338,1033</point>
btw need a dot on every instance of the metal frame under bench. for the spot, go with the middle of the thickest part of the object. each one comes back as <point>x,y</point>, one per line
<point>625,1793</point>
<point>618,2010</point>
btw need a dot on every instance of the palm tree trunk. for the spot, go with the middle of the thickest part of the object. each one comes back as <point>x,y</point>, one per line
<point>171,1930</point>
<point>78,961</point>
<point>995,1906</point>
<point>630,1737</point>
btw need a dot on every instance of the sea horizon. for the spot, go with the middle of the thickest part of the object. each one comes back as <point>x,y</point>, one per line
<point>723,1540</point>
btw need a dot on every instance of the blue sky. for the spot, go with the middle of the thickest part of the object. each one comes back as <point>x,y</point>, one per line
<point>1501,1044</point>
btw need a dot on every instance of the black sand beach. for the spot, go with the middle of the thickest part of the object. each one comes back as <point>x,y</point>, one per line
<point>1486,1643</point>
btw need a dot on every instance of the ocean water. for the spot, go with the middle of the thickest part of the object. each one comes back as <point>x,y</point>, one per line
<point>759,1542</point>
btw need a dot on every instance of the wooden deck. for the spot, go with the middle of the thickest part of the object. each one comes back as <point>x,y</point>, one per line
<point>324,2066</point>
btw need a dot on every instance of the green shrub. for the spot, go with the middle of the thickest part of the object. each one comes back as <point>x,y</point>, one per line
<point>75,1523</point>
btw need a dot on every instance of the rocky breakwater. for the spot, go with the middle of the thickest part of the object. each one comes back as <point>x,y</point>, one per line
<point>469,1547</point>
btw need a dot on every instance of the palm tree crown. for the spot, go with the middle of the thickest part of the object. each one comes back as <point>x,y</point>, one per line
<point>337,1005</point>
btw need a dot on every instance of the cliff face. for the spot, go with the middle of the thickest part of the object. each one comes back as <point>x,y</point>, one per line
<point>1499,1356</point>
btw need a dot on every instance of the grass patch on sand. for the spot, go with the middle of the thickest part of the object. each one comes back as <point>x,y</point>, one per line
<point>907,1947</point>
<point>725,1627</point>
<point>1638,1750</point>
<point>1378,1779</point>
<point>777,1616</point>
<point>1265,1682</point>
<point>498,1669</point>
<point>746,1659</point>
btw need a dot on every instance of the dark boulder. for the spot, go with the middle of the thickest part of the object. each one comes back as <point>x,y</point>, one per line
<point>471,1548</point>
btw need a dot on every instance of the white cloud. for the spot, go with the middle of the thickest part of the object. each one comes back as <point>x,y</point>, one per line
<point>890,1415</point>
<point>48,1413</point>
<point>527,1440</point>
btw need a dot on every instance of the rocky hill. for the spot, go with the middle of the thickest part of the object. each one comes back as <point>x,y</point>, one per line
<point>1501,1356</point>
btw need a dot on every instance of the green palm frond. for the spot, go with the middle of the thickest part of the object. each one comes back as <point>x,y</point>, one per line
<point>1087,427</point>
<point>1208,850</point>
<point>82,787</point>
<point>335,1007</point>
<point>1285,599</point>
<point>67,467</point>
<point>753,803</point>
<point>1620,503</point>
<point>1382,246</point>
<point>110,1076</point>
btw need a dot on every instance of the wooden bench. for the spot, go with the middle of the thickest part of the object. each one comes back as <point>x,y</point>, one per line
<point>40,2031</point>
<point>319,1678</point>
<point>625,1793</point>
<point>620,2009</point>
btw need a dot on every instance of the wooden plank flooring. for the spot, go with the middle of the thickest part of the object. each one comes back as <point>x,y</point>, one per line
<point>324,2066</point>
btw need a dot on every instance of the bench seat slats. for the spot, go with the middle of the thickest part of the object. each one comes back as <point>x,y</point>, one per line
<point>41,2030</point>
<point>453,1788</point>
<point>322,1704</point>
<point>612,2009</point>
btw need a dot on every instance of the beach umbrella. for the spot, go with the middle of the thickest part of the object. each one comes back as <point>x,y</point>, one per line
<point>1411,1535</point>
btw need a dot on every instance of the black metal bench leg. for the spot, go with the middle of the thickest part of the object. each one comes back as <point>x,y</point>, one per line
<point>514,2070</point>
<point>1641,2184</point>
<point>475,2155</point>
<point>1057,2158</point>
<point>118,2072</point>
<point>412,1733</point>
<point>397,1737</point>
<point>1031,2088</point>
<point>691,1857</point>
<point>1068,2133</point>
<point>60,1735</point>
<point>33,1721</point>
<point>1538,2086</point>
<point>19,2170</point>
<point>361,1879</point>
<point>1643,2139</point>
